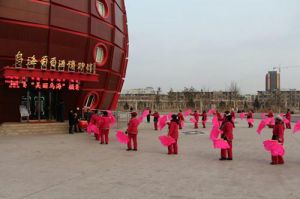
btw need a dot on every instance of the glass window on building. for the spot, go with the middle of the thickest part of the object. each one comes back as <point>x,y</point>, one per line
<point>99,55</point>
<point>101,9</point>
<point>90,101</point>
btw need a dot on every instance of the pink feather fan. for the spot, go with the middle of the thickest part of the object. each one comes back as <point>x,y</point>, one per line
<point>166,140</point>
<point>242,116</point>
<point>187,112</point>
<point>162,121</point>
<point>193,120</point>
<point>214,133</point>
<point>221,144</point>
<point>296,127</point>
<point>121,137</point>
<point>274,147</point>
<point>92,128</point>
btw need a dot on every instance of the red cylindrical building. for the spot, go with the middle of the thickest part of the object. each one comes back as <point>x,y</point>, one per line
<point>73,52</point>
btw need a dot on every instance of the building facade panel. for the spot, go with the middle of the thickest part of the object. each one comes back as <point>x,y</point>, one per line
<point>82,36</point>
<point>101,30</point>
<point>80,5</point>
<point>20,10</point>
<point>68,19</point>
<point>24,37</point>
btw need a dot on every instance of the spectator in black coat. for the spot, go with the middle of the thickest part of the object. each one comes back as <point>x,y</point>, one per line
<point>71,121</point>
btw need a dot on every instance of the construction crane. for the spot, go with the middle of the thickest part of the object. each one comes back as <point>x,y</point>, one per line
<point>284,67</point>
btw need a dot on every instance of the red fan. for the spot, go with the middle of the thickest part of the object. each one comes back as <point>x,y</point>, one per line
<point>215,121</point>
<point>261,126</point>
<point>162,121</point>
<point>92,129</point>
<point>242,116</point>
<point>112,120</point>
<point>211,112</point>
<point>214,134</point>
<point>170,116</point>
<point>166,140</point>
<point>286,121</point>
<point>193,120</point>
<point>140,119</point>
<point>250,120</point>
<point>187,112</point>
<point>296,127</point>
<point>274,147</point>
<point>281,114</point>
<point>263,115</point>
<point>220,144</point>
<point>145,113</point>
<point>121,137</point>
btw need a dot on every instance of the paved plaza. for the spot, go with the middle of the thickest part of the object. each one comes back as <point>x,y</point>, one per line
<point>76,166</point>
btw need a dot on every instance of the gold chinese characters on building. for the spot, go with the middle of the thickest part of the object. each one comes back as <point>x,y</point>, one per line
<point>52,64</point>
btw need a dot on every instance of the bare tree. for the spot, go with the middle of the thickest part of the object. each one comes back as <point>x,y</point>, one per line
<point>171,97</point>
<point>157,96</point>
<point>234,89</point>
<point>234,92</point>
<point>189,95</point>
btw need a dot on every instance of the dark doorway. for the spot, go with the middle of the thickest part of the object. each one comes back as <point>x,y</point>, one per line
<point>42,104</point>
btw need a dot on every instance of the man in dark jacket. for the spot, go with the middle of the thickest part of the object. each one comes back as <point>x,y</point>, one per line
<point>77,117</point>
<point>71,121</point>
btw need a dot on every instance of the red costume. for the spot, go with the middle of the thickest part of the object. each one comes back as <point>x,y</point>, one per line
<point>173,132</point>
<point>270,115</point>
<point>104,124</point>
<point>196,116</point>
<point>278,134</point>
<point>288,116</point>
<point>132,131</point>
<point>250,116</point>
<point>155,119</point>
<point>204,119</point>
<point>181,119</point>
<point>227,128</point>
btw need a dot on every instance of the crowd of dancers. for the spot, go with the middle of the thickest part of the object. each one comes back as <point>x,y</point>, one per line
<point>221,135</point>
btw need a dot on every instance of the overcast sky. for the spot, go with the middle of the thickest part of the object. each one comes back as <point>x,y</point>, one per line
<point>209,43</point>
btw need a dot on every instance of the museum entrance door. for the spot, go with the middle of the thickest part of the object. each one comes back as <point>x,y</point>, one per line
<point>42,105</point>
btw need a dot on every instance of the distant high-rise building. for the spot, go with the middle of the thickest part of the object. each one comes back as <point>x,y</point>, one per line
<point>272,81</point>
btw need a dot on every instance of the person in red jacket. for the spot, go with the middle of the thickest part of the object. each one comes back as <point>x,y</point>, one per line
<point>132,132</point>
<point>155,119</point>
<point>250,116</point>
<point>104,125</point>
<point>173,132</point>
<point>204,118</point>
<point>278,134</point>
<point>288,117</point>
<point>227,134</point>
<point>196,116</point>
<point>180,118</point>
